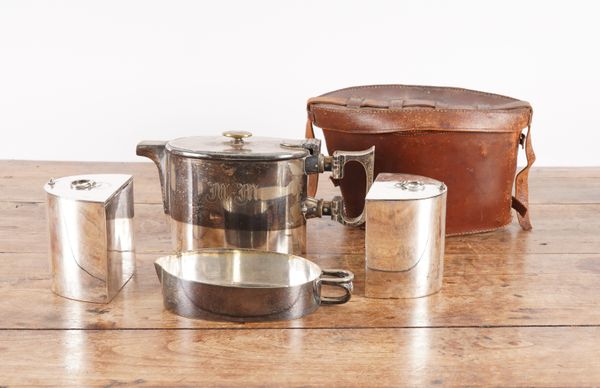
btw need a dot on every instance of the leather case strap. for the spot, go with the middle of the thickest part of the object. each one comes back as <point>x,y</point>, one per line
<point>313,179</point>
<point>520,202</point>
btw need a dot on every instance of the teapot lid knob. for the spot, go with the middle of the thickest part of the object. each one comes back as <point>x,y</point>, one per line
<point>237,136</point>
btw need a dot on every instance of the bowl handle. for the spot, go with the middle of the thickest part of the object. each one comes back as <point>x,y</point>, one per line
<point>338,278</point>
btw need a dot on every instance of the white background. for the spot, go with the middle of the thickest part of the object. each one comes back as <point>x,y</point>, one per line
<point>87,80</point>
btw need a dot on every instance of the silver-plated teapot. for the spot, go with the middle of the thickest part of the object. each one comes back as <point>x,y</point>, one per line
<point>241,192</point>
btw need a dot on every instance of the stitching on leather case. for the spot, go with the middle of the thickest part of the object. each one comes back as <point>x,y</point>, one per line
<point>380,111</point>
<point>424,130</point>
<point>423,87</point>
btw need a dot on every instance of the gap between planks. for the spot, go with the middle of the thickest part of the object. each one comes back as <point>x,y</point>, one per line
<point>199,329</point>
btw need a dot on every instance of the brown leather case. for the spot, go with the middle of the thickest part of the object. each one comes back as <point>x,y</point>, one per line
<point>464,138</point>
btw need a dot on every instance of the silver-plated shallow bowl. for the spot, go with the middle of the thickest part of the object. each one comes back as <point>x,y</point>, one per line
<point>244,285</point>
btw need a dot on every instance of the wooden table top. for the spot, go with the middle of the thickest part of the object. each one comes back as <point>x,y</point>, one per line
<point>516,308</point>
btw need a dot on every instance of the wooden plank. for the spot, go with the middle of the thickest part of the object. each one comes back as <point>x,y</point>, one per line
<point>542,356</point>
<point>45,169</point>
<point>557,229</point>
<point>566,172</point>
<point>23,228</point>
<point>23,181</point>
<point>478,290</point>
<point>545,189</point>
<point>507,315</point>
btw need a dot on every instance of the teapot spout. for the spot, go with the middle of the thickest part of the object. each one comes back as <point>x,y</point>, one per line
<point>155,151</point>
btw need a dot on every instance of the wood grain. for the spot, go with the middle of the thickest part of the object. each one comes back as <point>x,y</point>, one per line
<point>328,357</point>
<point>516,308</point>
<point>557,229</point>
<point>484,290</point>
<point>22,181</point>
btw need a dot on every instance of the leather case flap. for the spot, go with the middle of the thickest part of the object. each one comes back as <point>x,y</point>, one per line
<point>391,108</point>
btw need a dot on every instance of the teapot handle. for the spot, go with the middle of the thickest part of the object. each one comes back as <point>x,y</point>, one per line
<point>313,207</point>
<point>338,161</point>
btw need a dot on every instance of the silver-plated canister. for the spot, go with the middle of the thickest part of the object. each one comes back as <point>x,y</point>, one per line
<point>405,234</point>
<point>90,219</point>
<point>238,191</point>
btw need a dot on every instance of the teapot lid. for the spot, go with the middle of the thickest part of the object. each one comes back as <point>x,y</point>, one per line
<point>237,145</point>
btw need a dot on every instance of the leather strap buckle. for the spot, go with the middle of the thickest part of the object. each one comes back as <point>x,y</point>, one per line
<point>522,139</point>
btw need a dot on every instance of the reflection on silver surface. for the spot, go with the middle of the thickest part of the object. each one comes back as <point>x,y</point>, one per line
<point>244,192</point>
<point>246,285</point>
<point>190,237</point>
<point>405,235</point>
<point>91,235</point>
<point>419,342</point>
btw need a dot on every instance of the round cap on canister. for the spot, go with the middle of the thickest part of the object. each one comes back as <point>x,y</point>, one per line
<point>404,187</point>
<point>237,145</point>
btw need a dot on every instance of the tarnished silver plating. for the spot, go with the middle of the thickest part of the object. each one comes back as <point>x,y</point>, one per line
<point>242,192</point>
<point>244,285</point>
<point>405,234</point>
<point>90,220</point>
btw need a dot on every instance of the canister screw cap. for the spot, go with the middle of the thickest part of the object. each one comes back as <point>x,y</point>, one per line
<point>411,185</point>
<point>83,184</point>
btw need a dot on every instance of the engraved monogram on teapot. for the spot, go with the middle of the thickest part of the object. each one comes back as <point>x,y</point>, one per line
<point>213,192</point>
